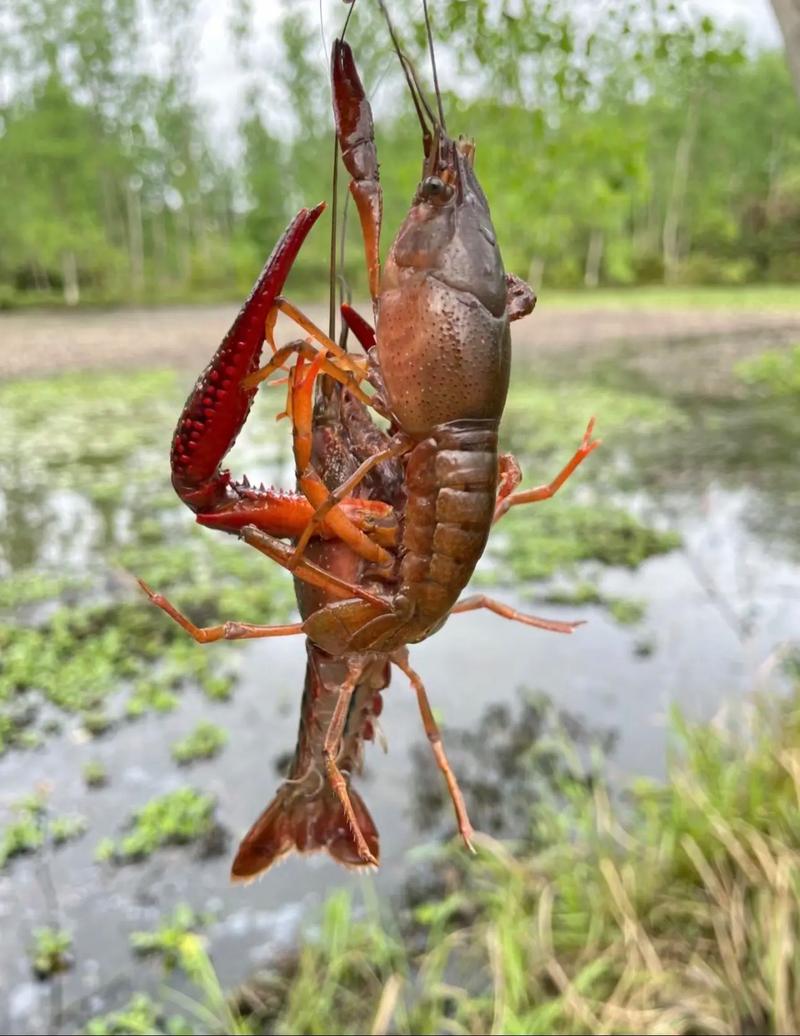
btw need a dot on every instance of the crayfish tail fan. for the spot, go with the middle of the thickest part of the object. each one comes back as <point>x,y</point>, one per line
<point>294,822</point>
<point>306,815</point>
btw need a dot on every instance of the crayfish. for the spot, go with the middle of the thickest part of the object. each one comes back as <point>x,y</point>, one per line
<point>385,527</point>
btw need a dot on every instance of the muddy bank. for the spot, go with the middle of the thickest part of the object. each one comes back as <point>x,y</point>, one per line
<point>44,343</point>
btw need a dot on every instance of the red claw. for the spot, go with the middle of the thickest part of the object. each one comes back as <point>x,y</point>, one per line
<point>362,329</point>
<point>218,406</point>
<point>356,134</point>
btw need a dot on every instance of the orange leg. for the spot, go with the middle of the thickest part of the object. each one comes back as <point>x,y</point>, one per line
<point>509,477</point>
<point>506,611</point>
<point>331,747</point>
<point>348,362</point>
<point>326,502</point>
<point>400,659</point>
<point>301,407</point>
<point>335,368</point>
<point>225,631</point>
<point>530,496</point>
<point>312,486</point>
<point>471,604</point>
<point>286,515</point>
<point>306,570</point>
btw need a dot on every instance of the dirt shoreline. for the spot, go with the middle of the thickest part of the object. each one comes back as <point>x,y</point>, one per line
<point>39,343</point>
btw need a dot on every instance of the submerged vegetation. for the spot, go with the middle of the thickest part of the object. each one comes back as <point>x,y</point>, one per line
<point>51,952</point>
<point>204,742</point>
<point>617,914</point>
<point>77,639</point>
<point>560,535</point>
<point>774,373</point>
<point>76,632</point>
<point>33,827</point>
<point>171,941</point>
<point>177,818</point>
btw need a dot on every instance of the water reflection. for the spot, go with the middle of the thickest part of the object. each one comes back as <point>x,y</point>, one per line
<point>85,494</point>
<point>517,754</point>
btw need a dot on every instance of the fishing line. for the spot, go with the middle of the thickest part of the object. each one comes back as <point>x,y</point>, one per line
<point>334,201</point>
<point>433,66</point>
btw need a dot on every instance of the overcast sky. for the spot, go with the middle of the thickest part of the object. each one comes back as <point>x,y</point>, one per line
<point>220,85</point>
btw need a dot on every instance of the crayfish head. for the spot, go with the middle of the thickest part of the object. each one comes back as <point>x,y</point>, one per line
<point>448,232</point>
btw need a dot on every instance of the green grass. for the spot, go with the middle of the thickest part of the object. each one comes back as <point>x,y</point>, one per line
<point>758,297</point>
<point>626,610</point>
<point>775,372</point>
<point>676,910</point>
<point>741,297</point>
<point>678,913</point>
<point>67,829</point>
<point>141,1016</point>
<point>170,940</point>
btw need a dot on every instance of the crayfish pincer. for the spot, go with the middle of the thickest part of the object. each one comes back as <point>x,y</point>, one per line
<point>385,528</point>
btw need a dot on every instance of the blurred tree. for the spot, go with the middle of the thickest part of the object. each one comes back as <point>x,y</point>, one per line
<point>619,144</point>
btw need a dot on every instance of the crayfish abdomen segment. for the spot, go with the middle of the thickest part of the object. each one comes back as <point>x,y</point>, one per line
<point>452,484</point>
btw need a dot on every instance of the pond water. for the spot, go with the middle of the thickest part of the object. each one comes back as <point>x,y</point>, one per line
<point>85,501</point>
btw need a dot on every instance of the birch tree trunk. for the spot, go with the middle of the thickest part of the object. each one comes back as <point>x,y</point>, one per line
<point>69,272</point>
<point>594,257</point>
<point>135,239</point>
<point>670,238</point>
<point>788,14</point>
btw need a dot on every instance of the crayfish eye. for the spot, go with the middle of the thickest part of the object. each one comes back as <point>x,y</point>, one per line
<point>434,189</point>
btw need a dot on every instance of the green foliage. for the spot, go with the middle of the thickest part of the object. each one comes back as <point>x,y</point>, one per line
<point>626,611</point>
<point>170,940</point>
<point>32,827</point>
<point>580,593</point>
<point>96,722</point>
<point>674,913</point>
<point>543,424</point>
<point>545,419</point>
<point>95,774</point>
<point>204,742</point>
<point>339,973</point>
<point>85,436</point>
<point>51,952</point>
<point>774,372</point>
<point>148,696</point>
<point>26,834</point>
<point>66,829</point>
<point>177,818</point>
<point>32,587</point>
<point>604,142</point>
<point>539,543</point>
<point>141,1016</point>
